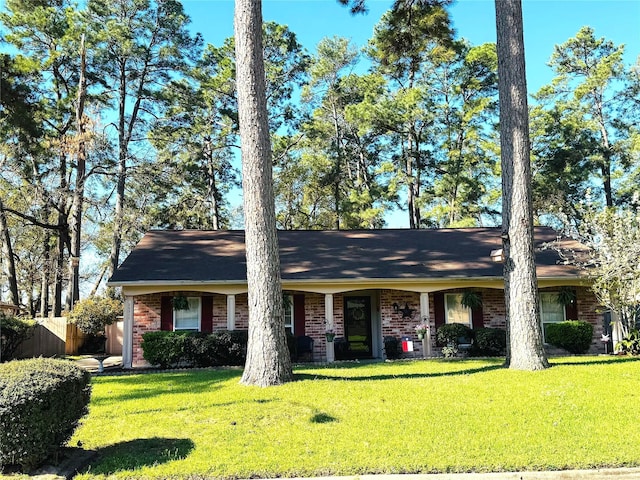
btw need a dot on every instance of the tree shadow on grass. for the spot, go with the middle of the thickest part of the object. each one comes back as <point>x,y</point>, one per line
<point>139,453</point>
<point>366,378</point>
<point>600,361</point>
<point>322,417</point>
<point>167,383</point>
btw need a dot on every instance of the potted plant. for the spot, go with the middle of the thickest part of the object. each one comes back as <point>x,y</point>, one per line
<point>566,296</point>
<point>422,329</point>
<point>180,302</point>
<point>471,299</point>
<point>330,335</point>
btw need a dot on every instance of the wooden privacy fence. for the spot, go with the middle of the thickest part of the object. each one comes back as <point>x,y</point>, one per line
<point>54,337</point>
<point>115,336</point>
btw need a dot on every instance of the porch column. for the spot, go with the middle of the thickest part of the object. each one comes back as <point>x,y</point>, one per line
<point>231,312</point>
<point>328,315</point>
<point>424,316</point>
<point>127,333</point>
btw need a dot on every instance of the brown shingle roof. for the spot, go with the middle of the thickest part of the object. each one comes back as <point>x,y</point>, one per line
<point>218,256</point>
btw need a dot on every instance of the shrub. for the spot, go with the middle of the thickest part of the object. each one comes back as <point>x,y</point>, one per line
<point>200,350</point>
<point>573,335</point>
<point>231,347</point>
<point>171,349</point>
<point>489,342</point>
<point>450,351</point>
<point>41,403</point>
<point>92,314</point>
<point>166,349</point>
<point>451,334</point>
<point>392,348</point>
<point>13,331</point>
<point>630,344</point>
<point>217,349</point>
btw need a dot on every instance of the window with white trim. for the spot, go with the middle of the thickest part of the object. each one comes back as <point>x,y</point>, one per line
<point>188,319</point>
<point>288,313</point>
<point>551,310</point>
<point>455,312</point>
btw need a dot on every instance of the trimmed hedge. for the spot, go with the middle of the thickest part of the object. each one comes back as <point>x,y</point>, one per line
<point>452,333</point>
<point>191,349</point>
<point>489,342</point>
<point>41,402</point>
<point>572,335</point>
<point>165,349</point>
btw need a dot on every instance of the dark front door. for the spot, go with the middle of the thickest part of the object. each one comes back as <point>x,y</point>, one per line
<point>357,327</point>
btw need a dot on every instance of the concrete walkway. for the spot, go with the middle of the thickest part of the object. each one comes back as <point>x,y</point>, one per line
<point>596,474</point>
<point>69,470</point>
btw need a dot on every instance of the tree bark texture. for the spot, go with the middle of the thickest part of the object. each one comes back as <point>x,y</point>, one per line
<point>63,238</point>
<point>9,259</point>
<point>78,194</point>
<point>118,217</point>
<point>268,362</point>
<point>46,271</point>
<point>525,347</point>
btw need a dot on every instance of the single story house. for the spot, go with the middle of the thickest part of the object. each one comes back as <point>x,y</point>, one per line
<point>362,284</point>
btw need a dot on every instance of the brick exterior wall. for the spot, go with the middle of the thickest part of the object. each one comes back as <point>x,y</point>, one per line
<point>588,311</point>
<point>494,312</point>
<point>314,324</point>
<point>242,312</point>
<point>147,316</point>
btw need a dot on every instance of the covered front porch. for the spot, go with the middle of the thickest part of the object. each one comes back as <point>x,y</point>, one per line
<point>348,322</point>
<point>344,324</point>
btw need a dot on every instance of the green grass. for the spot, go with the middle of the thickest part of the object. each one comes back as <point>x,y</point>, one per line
<point>402,417</point>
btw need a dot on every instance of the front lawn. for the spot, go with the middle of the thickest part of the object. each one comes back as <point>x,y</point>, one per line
<point>402,417</point>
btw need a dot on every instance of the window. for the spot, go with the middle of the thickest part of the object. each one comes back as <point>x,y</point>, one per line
<point>288,313</point>
<point>455,312</point>
<point>551,310</point>
<point>188,319</point>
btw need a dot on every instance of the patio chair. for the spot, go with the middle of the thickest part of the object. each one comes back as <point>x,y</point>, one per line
<point>304,348</point>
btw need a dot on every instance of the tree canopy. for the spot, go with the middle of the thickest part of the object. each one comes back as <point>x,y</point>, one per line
<point>405,123</point>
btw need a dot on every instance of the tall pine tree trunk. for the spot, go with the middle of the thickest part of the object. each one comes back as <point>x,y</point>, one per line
<point>46,271</point>
<point>213,194</point>
<point>268,361</point>
<point>78,194</point>
<point>9,260</point>
<point>121,175</point>
<point>525,348</point>
<point>62,240</point>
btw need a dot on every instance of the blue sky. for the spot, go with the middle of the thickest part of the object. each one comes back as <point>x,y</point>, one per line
<point>546,23</point>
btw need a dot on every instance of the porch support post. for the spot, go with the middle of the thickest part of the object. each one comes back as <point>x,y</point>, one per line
<point>127,333</point>
<point>328,315</point>
<point>424,316</point>
<point>231,312</point>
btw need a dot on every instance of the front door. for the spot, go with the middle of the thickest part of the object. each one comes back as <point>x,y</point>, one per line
<point>357,326</point>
